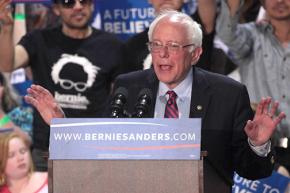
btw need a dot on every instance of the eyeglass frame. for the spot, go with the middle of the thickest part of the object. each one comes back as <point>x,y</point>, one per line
<point>75,85</point>
<point>71,3</point>
<point>169,47</point>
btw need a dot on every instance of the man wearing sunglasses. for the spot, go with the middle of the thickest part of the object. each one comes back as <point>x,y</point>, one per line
<point>76,62</point>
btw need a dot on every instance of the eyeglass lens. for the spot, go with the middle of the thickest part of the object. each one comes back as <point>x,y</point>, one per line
<point>71,3</point>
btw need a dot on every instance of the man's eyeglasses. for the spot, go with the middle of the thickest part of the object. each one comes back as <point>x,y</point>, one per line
<point>172,47</point>
<point>71,3</point>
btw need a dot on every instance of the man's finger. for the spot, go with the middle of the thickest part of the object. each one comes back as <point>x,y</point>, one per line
<point>274,108</point>
<point>249,126</point>
<point>279,118</point>
<point>259,109</point>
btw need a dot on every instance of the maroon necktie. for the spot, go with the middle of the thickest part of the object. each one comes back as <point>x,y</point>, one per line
<point>171,109</point>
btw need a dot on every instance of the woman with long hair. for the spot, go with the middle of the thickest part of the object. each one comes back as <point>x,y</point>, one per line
<point>16,166</point>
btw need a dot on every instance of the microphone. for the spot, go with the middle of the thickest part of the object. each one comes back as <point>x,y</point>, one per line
<point>118,102</point>
<point>143,103</point>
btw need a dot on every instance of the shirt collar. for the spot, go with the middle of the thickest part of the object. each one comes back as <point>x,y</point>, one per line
<point>183,90</point>
<point>265,26</point>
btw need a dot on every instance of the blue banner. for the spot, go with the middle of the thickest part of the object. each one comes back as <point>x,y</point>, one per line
<point>124,18</point>
<point>128,17</point>
<point>276,183</point>
<point>167,139</point>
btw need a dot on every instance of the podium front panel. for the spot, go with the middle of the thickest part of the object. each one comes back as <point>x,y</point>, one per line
<point>125,176</point>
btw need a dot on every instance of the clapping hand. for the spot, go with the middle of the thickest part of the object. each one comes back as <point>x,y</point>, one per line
<point>44,102</point>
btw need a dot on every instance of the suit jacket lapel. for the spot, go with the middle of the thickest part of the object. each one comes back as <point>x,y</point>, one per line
<point>201,94</point>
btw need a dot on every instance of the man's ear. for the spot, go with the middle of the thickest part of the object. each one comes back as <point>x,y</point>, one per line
<point>55,9</point>
<point>1,94</point>
<point>195,55</point>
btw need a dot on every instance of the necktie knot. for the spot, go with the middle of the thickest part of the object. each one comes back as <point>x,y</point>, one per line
<point>171,109</point>
<point>172,94</point>
<point>172,97</point>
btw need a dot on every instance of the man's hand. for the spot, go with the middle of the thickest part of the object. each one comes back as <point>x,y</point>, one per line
<point>6,18</point>
<point>44,102</point>
<point>265,122</point>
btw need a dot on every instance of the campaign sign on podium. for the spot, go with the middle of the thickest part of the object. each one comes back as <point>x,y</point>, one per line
<point>125,139</point>
<point>125,155</point>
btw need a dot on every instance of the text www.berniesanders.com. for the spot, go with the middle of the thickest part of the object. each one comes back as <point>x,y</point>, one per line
<point>124,136</point>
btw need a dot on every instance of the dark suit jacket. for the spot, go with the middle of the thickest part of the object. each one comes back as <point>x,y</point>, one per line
<point>225,110</point>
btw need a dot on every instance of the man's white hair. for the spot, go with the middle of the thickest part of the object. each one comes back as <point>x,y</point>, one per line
<point>193,28</point>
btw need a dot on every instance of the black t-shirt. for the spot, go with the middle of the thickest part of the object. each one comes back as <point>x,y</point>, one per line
<point>78,72</point>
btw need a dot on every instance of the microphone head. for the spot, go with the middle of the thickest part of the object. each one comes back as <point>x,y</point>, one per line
<point>121,93</point>
<point>145,96</point>
<point>143,103</point>
<point>118,102</point>
<point>145,92</point>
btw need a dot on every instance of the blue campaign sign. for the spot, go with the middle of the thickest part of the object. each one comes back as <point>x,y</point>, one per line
<point>128,17</point>
<point>276,183</point>
<point>92,138</point>
<point>123,17</point>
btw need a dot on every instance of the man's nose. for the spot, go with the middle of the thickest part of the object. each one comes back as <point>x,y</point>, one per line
<point>20,157</point>
<point>164,52</point>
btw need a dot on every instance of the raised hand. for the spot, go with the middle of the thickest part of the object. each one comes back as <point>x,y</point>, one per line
<point>5,13</point>
<point>265,122</point>
<point>44,102</point>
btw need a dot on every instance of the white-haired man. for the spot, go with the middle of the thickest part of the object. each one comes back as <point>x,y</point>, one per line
<point>180,90</point>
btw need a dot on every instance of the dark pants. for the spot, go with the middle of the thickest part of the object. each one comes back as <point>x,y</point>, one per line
<point>39,158</point>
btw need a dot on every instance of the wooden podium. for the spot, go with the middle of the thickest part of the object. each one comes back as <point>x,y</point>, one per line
<point>125,176</point>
